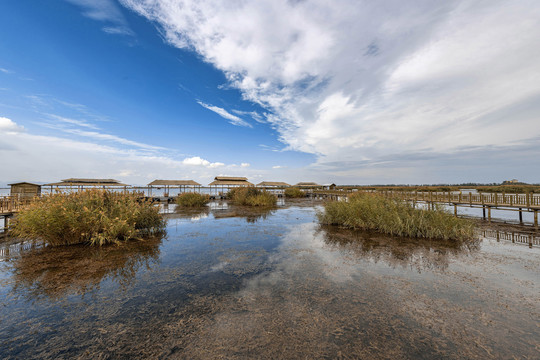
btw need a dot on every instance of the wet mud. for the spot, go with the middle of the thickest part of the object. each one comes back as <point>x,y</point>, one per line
<point>236,283</point>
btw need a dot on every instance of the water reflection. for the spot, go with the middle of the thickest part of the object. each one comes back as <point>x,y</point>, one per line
<point>420,254</point>
<point>252,215</point>
<point>59,271</point>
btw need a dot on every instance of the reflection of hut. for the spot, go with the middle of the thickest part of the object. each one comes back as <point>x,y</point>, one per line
<point>228,182</point>
<point>272,184</point>
<point>182,185</point>
<point>308,185</point>
<point>25,190</point>
<point>81,184</point>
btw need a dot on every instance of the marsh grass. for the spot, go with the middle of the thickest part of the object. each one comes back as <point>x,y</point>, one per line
<point>95,217</point>
<point>375,212</point>
<point>294,193</point>
<point>192,200</point>
<point>250,196</point>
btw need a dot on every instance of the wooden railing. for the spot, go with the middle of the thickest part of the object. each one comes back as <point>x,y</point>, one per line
<point>11,204</point>
<point>492,199</point>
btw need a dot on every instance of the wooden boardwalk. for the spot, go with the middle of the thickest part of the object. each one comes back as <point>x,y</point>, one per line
<point>486,201</point>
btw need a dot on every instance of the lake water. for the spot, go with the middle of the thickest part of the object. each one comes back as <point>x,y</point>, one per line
<point>230,282</point>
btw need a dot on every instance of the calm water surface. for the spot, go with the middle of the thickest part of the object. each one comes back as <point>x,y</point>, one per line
<point>236,283</point>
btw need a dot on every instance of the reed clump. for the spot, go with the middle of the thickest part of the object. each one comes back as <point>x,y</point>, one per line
<point>368,211</point>
<point>95,217</point>
<point>250,196</point>
<point>192,200</point>
<point>294,193</point>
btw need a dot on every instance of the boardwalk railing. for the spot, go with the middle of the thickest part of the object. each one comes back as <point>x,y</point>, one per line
<point>514,237</point>
<point>11,204</point>
<point>528,201</point>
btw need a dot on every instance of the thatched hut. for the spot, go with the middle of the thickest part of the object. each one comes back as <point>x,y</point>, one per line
<point>181,185</point>
<point>228,182</point>
<point>273,184</point>
<point>25,190</point>
<point>307,185</point>
<point>81,184</point>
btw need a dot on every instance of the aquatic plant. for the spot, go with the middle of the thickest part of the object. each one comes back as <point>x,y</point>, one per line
<point>95,217</point>
<point>192,200</point>
<point>250,196</point>
<point>370,211</point>
<point>294,192</point>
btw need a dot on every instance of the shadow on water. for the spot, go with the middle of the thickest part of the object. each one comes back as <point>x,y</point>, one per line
<point>55,272</point>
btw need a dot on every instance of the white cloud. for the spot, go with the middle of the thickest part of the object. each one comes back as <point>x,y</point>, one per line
<point>233,119</point>
<point>9,126</point>
<point>105,11</point>
<point>6,71</point>
<point>198,161</point>
<point>244,165</point>
<point>369,82</point>
<point>277,167</point>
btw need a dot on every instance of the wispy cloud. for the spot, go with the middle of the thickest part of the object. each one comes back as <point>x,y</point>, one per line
<point>106,11</point>
<point>253,114</point>
<point>75,122</point>
<point>233,119</point>
<point>6,71</point>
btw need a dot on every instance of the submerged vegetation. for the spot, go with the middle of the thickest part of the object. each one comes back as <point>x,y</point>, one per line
<point>294,192</point>
<point>250,196</point>
<point>192,200</point>
<point>375,212</point>
<point>95,217</point>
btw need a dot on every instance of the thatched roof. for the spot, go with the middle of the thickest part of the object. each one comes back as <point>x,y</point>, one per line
<point>93,181</point>
<point>174,183</point>
<point>272,183</point>
<point>307,184</point>
<point>87,182</point>
<point>230,178</point>
<point>23,183</point>
<point>230,182</point>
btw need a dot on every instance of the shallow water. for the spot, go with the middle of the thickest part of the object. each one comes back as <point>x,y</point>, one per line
<point>231,282</point>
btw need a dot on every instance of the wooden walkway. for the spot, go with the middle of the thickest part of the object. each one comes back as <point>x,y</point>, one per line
<point>486,201</point>
<point>9,206</point>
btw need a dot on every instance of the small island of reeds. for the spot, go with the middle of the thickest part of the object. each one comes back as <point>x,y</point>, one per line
<point>250,196</point>
<point>368,211</point>
<point>94,217</point>
<point>192,200</point>
<point>294,192</point>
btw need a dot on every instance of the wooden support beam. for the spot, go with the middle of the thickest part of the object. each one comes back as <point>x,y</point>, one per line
<point>520,217</point>
<point>536,219</point>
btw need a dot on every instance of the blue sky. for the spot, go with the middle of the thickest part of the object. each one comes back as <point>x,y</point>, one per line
<point>350,92</point>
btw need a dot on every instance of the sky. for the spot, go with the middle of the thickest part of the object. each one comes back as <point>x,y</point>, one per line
<point>340,91</point>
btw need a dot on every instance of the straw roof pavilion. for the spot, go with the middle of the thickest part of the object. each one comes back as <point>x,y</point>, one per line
<point>307,184</point>
<point>80,182</point>
<point>174,183</point>
<point>273,184</point>
<point>230,181</point>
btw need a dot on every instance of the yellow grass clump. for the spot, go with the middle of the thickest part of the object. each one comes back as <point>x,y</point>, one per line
<point>95,217</point>
<point>370,211</point>
<point>294,192</point>
<point>192,200</point>
<point>250,196</point>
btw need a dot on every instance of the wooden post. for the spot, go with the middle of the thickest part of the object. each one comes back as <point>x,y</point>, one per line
<point>483,212</point>
<point>455,210</point>
<point>520,217</point>
<point>536,219</point>
<point>489,213</point>
<point>528,200</point>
